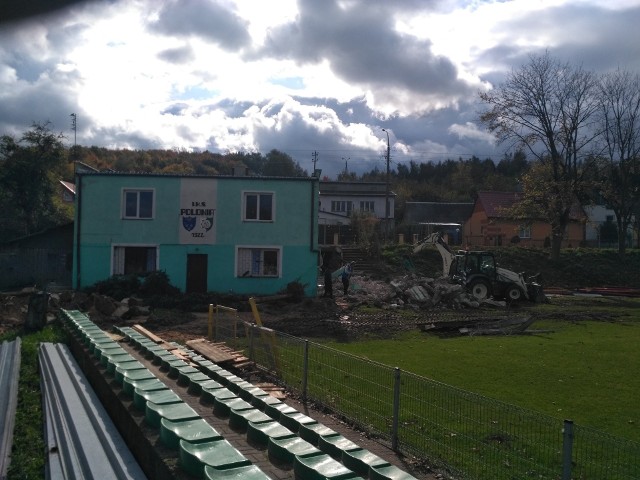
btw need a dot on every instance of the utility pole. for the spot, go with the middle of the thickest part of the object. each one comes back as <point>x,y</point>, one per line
<point>386,207</point>
<point>74,127</point>
<point>315,159</point>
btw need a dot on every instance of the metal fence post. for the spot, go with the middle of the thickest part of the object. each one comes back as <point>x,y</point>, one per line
<point>305,370</point>
<point>396,409</point>
<point>567,449</point>
<point>251,355</point>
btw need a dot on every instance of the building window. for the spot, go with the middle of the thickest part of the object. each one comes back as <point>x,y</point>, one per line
<point>525,231</point>
<point>134,260</point>
<point>367,206</point>
<point>341,206</point>
<point>138,204</point>
<point>258,207</point>
<point>258,262</point>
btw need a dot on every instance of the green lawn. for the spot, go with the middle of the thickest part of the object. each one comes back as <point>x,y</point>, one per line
<point>587,369</point>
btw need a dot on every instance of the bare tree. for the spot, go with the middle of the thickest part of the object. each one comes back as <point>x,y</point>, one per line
<point>546,108</point>
<point>620,127</point>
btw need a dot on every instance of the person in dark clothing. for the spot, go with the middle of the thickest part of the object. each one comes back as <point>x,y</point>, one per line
<point>346,277</point>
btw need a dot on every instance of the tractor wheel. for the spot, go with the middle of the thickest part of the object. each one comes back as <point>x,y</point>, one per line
<point>514,294</point>
<point>480,289</point>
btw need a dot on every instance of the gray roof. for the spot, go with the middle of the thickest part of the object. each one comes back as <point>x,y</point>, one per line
<point>437,212</point>
<point>370,189</point>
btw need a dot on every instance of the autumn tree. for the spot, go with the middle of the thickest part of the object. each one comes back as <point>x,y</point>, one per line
<point>619,119</point>
<point>30,169</point>
<point>547,108</point>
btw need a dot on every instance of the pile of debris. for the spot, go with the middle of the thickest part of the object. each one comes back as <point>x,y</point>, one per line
<point>415,292</point>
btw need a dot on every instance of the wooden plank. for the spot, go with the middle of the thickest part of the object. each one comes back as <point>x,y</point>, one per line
<point>151,336</point>
<point>210,351</point>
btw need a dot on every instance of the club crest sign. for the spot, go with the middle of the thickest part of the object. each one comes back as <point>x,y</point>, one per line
<point>197,212</point>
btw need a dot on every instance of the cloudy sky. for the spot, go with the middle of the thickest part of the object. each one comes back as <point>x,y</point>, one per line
<point>296,75</point>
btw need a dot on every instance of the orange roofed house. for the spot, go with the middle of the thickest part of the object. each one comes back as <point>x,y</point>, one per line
<point>490,224</point>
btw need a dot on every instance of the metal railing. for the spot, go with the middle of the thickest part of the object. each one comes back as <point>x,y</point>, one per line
<point>464,434</point>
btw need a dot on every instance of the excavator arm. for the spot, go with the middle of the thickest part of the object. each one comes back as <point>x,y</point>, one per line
<point>445,252</point>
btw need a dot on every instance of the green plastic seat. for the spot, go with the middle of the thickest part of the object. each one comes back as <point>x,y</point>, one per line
<point>130,362</point>
<point>237,387</point>
<point>174,412</point>
<point>176,370</point>
<point>276,409</point>
<point>361,460</point>
<point>249,472</point>
<point>209,395</point>
<point>239,419</point>
<point>192,431</point>
<point>262,402</point>
<point>129,385</point>
<point>293,420</point>
<point>249,393</point>
<point>219,454</point>
<point>159,397</point>
<point>390,472</point>
<point>260,433</point>
<point>313,431</point>
<point>222,406</point>
<point>132,374</point>
<point>196,387</point>
<point>321,467</point>
<point>335,445</point>
<point>185,378</point>
<point>168,363</point>
<point>286,449</point>
<point>115,355</point>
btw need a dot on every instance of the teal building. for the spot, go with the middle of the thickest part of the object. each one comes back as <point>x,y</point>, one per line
<point>227,234</point>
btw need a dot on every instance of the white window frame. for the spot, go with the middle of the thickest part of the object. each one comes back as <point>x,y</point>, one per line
<point>248,193</point>
<point>138,191</point>
<point>341,206</point>
<point>117,262</point>
<point>525,231</point>
<point>368,206</point>
<point>245,263</point>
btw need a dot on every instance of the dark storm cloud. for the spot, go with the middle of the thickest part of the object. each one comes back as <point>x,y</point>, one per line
<point>205,19</point>
<point>362,47</point>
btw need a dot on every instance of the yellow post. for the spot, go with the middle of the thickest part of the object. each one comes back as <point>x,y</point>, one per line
<point>268,341</point>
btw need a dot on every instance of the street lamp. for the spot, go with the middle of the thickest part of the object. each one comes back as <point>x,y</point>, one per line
<point>386,207</point>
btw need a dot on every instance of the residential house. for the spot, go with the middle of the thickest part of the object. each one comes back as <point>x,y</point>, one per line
<point>601,227</point>
<point>232,234</point>
<point>40,259</point>
<point>338,200</point>
<point>423,218</point>
<point>490,224</point>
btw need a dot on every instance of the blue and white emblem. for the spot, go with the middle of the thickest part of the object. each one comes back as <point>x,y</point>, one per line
<point>189,223</point>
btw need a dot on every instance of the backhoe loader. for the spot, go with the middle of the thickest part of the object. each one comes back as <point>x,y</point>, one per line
<point>478,272</point>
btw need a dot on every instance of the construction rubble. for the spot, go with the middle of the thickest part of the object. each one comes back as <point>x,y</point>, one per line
<point>415,292</point>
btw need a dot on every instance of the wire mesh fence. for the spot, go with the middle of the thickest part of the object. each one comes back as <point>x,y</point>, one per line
<point>462,433</point>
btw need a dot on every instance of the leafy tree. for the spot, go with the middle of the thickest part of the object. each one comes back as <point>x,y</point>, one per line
<point>30,169</point>
<point>546,108</point>
<point>279,164</point>
<point>620,126</point>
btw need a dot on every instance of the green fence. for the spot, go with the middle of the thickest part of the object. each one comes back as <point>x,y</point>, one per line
<point>467,435</point>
